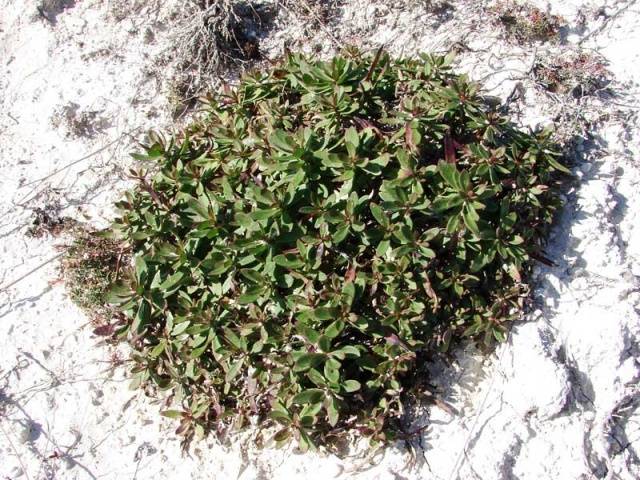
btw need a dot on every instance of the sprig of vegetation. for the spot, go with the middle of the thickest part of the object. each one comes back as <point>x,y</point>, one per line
<point>317,232</point>
<point>580,73</point>
<point>90,267</point>
<point>526,23</point>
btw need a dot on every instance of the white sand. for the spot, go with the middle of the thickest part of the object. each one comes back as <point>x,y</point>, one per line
<point>560,400</point>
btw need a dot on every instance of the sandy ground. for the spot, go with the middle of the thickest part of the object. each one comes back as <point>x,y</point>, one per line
<point>559,400</point>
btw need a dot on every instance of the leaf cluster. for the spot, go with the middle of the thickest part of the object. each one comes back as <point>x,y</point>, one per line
<point>302,246</point>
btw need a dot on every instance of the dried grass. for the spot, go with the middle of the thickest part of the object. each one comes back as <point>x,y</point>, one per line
<point>211,37</point>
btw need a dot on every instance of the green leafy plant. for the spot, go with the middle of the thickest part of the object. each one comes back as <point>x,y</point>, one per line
<point>301,247</point>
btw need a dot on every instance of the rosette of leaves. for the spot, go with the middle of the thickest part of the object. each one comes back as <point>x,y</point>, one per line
<point>302,246</point>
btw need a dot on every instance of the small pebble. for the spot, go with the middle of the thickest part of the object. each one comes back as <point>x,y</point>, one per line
<point>536,314</point>
<point>97,397</point>
<point>69,462</point>
<point>550,302</point>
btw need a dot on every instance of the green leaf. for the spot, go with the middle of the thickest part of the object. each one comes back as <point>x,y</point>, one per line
<point>446,202</point>
<point>281,141</point>
<point>305,442</point>
<point>280,416</point>
<point>331,372</point>
<point>234,339</point>
<point>142,318</point>
<point>453,223</point>
<point>330,160</point>
<point>450,174</point>
<point>309,412</point>
<point>119,294</point>
<point>251,294</point>
<point>351,386</point>
<point>333,330</point>
<point>141,268</point>
<point>379,215</point>
<point>264,196</point>
<point>324,343</point>
<point>180,328</point>
<point>382,248</point>
<point>280,413</point>
<point>308,360</point>
<point>234,370</point>
<point>333,414</point>
<point>259,215</point>
<point>351,136</point>
<point>311,395</point>
<point>252,276</point>
<point>288,261</point>
<point>340,234</point>
<point>171,281</point>
<point>470,220</point>
<point>172,414</point>
<point>282,435</point>
<point>324,313</point>
<point>349,293</point>
<point>557,165</point>
<point>158,349</point>
<point>349,350</point>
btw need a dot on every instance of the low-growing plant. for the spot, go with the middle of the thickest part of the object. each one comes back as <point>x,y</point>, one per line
<point>580,73</point>
<point>318,231</point>
<point>90,267</point>
<point>527,23</point>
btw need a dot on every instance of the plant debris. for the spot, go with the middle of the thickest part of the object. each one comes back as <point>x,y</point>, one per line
<point>50,9</point>
<point>47,221</point>
<point>581,74</point>
<point>212,37</point>
<point>526,23</point>
<point>90,266</point>
<point>80,123</point>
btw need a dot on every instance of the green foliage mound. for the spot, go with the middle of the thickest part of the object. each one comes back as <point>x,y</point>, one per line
<point>303,245</point>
